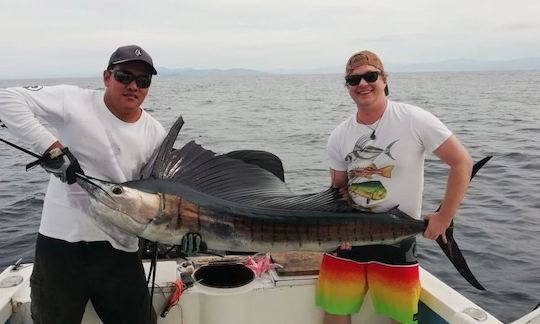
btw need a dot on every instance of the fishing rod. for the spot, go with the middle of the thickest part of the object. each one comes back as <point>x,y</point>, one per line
<point>43,158</point>
<point>20,148</point>
<point>40,158</point>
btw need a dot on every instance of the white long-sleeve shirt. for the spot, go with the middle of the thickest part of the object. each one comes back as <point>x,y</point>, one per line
<point>106,148</point>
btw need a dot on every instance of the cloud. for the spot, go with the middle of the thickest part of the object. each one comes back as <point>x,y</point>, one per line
<point>45,37</point>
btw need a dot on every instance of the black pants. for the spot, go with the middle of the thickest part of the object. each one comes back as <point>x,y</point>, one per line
<point>400,253</point>
<point>67,275</point>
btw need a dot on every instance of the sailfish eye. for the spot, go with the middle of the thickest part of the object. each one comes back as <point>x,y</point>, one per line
<point>117,190</point>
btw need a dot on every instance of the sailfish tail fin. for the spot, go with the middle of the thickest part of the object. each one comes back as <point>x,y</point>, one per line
<point>452,251</point>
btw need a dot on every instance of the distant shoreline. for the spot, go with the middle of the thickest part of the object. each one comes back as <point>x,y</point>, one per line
<point>529,64</point>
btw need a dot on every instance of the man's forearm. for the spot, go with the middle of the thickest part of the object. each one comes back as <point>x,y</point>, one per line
<point>456,186</point>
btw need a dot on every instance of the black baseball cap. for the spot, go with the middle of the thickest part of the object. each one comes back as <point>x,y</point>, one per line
<point>131,53</point>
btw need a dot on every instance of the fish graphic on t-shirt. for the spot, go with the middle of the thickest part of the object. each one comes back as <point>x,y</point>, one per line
<point>371,170</point>
<point>368,152</point>
<point>371,190</point>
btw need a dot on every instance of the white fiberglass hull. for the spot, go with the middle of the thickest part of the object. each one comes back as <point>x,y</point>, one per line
<point>268,299</point>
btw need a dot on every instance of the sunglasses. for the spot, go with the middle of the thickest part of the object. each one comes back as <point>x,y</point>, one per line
<point>124,77</point>
<point>355,79</point>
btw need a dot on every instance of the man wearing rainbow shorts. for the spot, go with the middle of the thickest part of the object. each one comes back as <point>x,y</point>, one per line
<point>376,159</point>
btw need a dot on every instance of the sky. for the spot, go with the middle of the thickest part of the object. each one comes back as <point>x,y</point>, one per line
<point>75,37</point>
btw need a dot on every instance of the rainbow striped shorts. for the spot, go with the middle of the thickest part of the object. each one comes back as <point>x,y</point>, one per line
<point>394,289</point>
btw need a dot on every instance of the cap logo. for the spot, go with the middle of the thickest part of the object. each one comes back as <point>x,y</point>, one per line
<point>138,52</point>
<point>34,87</point>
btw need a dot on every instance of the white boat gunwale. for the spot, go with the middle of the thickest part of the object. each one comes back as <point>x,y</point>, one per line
<point>444,301</point>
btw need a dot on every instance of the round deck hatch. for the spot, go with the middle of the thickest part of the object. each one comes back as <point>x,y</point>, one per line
<point>224,275</point>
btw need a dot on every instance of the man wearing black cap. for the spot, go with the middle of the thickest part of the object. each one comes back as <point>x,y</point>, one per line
<point>110,137</point>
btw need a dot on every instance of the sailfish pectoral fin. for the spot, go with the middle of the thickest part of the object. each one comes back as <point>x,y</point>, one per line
<point>452,251</point>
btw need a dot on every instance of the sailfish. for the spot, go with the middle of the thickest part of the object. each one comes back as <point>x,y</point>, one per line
<point>236,206</point>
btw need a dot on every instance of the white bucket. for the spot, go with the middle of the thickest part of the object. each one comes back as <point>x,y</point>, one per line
<point>225,292</point>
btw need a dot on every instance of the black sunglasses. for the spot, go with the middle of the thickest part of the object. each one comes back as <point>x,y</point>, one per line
<point>355,79</point>
<point>124,77</point>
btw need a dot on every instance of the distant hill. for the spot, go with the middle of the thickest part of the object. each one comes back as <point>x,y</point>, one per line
<point>532,63</point>
<point>188,72</point>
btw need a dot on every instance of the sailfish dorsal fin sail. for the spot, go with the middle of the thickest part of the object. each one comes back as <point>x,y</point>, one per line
<point>154,167</point>
<point>230,179</point>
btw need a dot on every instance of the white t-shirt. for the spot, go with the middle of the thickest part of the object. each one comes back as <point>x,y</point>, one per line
<point>389,170</point>
<point>106,148</point>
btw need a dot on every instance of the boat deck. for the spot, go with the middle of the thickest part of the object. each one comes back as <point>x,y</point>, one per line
<point>282,297</point>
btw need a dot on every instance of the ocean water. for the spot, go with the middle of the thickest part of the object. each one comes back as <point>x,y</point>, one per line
<point>492,113</point>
